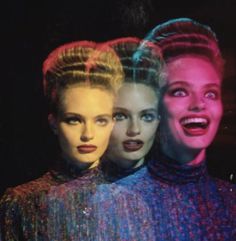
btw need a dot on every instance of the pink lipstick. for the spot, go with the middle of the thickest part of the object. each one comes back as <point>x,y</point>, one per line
<point>84,149</point>
<point>132,145</point>
<point>195,125</point>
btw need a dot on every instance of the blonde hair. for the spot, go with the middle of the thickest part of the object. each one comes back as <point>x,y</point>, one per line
<point>81,62</point>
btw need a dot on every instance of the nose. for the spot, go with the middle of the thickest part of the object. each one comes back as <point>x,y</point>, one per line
<point>197,103</point>
<point>133,128</point>
<point>87,132</point>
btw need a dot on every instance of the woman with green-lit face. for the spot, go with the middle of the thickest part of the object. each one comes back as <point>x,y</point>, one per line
<point>136,122</point>
<point>135,108</point>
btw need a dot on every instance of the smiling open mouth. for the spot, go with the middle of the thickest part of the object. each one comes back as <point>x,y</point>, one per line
<point>195,126</point>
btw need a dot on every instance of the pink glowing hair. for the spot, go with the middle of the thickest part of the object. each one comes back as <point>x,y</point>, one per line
<point>184,36</point>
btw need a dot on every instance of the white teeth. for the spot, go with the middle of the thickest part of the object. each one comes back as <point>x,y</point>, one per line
<point>194,120</point>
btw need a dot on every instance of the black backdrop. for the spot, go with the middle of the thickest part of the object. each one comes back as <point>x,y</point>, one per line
<point>30,30</point>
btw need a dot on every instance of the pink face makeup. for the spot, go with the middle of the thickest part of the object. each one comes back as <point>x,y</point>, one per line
<point>191,104</point>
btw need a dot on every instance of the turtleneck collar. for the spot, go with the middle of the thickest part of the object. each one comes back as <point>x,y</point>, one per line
<point>68,171</point>
<point>113,172</point>
<point>171,171</point>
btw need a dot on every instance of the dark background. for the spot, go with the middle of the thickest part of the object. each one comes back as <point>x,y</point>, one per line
<point>31,29</point>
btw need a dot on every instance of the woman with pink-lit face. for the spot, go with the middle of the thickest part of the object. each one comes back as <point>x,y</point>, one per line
<point>178,198</point>
<point>191,107</point>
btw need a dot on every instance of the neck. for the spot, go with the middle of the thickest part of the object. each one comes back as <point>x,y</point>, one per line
<point>130,164</point>
<point>82,166</point>
<point>94,164</point>
<point>185,156</point>
<point>125,164</point>
<point>138,163</point>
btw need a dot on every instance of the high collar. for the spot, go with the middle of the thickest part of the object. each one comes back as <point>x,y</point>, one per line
<point>113,172</point>
<point>66,171</point>
<point>171,171</point>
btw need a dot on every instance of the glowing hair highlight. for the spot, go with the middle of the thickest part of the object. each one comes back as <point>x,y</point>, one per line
<point>81,62</point>
<point>140,66</point>
<point>184,36</point>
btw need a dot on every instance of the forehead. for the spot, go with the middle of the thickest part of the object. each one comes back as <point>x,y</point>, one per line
<point>86,100</point>
<point>193,70</point>
<point>132,96</point>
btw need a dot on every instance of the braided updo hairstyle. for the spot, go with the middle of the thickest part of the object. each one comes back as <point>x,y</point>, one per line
<point>82,62</point>
<point>183,36</point>
<point>139,66</point>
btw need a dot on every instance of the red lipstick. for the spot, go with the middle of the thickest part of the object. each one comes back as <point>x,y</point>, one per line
<point>132,145</point>
<point>195,125</point>
<point>84,149</point>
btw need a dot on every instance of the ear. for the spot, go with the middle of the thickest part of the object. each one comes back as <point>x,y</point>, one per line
<point>53,123</point>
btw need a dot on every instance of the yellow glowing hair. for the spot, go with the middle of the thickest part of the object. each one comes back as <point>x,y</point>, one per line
<point>82,62</point>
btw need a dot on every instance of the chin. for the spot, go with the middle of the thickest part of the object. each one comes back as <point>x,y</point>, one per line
<point>133,157</point>
<point>197,145</point>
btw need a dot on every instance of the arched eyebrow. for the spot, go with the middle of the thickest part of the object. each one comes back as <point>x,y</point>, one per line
<point>81,116</point>
<point>117,109</point>
<point>179,82</point>
<point>104,116</point>
<point>185,83</point>
<point>212,85</point>
<point>71,114</point>
<point>120,109</point>
<point>149,110</point>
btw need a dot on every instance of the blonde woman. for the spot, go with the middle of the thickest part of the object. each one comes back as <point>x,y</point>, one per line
<point>80,82</point>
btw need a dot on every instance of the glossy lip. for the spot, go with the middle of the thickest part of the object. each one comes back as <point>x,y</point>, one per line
<point>84,149</point>
<point>196,130</point>
<point>132,145</point>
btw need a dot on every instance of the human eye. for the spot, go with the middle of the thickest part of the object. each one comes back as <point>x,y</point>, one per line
<point>212,94</point>
<point>102,121</point>
<point>118,116</point>
<point>72,120</point>
<point>148,117</point>
<point>178,92</point>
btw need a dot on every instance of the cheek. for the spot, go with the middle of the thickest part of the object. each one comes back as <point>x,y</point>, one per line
<point>118,132</point>
<point>103,134</point>
<point>68,136</point>
<point>149,131</point>
<point>218,111</point>
<point>169,107</point>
